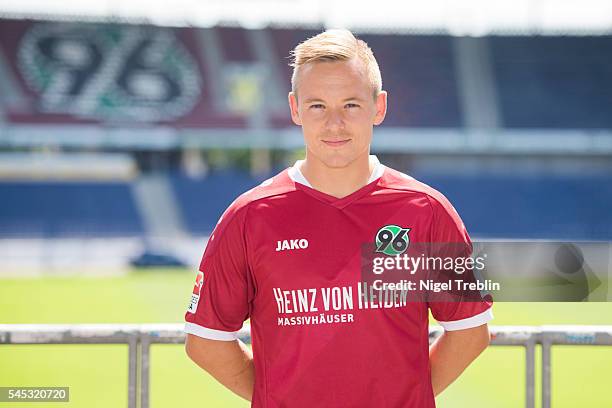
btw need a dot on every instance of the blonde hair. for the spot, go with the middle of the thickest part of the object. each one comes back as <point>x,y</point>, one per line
<point>335,45</point>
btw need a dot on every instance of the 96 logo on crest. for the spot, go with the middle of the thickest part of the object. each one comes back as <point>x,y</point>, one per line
<point>392,240</point>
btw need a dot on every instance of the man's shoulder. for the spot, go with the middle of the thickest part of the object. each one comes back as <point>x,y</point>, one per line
<point>232,221</point>
<point>279,184</point>
<point>396,180</point>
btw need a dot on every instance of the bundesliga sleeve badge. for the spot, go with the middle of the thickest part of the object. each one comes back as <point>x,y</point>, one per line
<point>195,294</point>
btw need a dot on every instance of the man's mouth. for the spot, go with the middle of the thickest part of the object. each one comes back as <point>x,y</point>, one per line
<point>336,143</point>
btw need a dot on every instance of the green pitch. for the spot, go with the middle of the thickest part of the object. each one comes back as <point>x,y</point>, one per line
<point>97,374</point>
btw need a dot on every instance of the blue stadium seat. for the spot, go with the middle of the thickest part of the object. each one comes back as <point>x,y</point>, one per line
<point>535,206</point>
<point>419,74</point>
<point>554,82</point>
<point>67,209</point>
<point>202,201</point>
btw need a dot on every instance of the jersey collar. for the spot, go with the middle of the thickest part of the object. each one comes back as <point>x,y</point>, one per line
<point>296,175</point>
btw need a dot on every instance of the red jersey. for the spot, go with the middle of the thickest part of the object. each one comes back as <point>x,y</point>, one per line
<point>288,257</point>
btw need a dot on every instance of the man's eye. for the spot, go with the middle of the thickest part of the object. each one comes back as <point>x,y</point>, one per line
<point>352,105</point>
<point>316,106</point>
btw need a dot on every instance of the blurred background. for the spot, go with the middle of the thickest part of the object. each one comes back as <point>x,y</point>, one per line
<point>126,128</point>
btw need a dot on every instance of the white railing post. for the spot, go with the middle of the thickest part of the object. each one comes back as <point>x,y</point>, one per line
<point>145,349</point>
<point>132,372</point>
<point>530,373</point>
<point>546,362</point>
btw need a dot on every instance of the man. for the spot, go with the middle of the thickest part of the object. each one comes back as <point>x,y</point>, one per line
<point>288,255</point>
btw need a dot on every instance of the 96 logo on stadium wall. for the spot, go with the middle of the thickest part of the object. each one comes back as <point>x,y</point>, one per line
<point>392,240</point>
<point>109,72</point>
<point>195,294</point>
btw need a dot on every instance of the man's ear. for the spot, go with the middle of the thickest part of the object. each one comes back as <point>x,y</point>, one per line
<point>293,105</point>
<point>381,107</point>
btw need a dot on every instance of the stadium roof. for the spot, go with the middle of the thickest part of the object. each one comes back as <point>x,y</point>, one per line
<point>465,17</point>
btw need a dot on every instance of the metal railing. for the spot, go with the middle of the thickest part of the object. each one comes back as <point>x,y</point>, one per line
<point>140,337</point>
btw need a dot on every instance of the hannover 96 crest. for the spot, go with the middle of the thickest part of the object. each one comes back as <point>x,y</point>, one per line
<point>392,240</point>
<point>109,72</point>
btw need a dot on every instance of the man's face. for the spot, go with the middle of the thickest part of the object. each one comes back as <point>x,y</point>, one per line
<point>337,111</point>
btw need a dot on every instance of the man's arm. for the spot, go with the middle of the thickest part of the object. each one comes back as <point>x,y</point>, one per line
<point>452,352</point>
<point>229,362</point>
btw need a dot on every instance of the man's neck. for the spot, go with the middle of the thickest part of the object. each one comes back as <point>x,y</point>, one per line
<point>337,182</point>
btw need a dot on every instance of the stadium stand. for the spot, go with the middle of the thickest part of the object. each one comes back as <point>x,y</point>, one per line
<point>549,84</point>
<point>202,201</point>
<point>420,75</point>
<point>545,82</point>
<point>554,82</point>
<point>67,209</point>
<point>537,206</point>
<point>235,45</point>
<point>543,207</point>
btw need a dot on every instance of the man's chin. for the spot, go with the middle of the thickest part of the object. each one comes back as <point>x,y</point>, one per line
<point>337,162</point>
<point>334,159</point>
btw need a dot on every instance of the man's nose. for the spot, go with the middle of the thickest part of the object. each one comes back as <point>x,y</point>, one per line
<point>335,120</point>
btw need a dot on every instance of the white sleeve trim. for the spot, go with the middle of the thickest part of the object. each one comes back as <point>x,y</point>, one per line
<point>469,322</point>
<point>207,333</point>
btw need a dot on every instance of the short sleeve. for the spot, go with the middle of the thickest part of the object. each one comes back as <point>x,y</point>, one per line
<point>450,237</point>
<point>223,291</point>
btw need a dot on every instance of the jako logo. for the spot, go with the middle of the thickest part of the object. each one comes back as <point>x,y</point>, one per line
<point>288,244</point>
